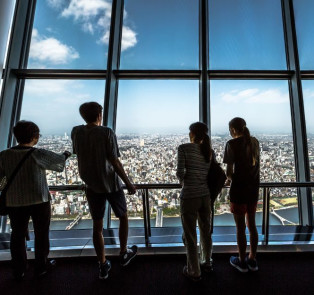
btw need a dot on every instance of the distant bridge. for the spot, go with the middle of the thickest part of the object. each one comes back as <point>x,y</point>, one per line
<point>75,221</point>
<point>282,220</point>
<point>159,217</point>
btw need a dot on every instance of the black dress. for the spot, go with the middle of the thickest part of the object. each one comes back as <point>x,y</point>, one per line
<point>245,179</point>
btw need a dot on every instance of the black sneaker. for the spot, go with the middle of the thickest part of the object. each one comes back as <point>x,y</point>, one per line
<point>18,275</point>
<point>207,267</point>
<point>128,255</point>
<point>187,275</point>
<point>251,264</point>
<point>104,270</point>
<point>41,271</point>
<point>240,266</point>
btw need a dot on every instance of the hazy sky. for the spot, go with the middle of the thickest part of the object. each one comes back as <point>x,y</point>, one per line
<point>163,34</point>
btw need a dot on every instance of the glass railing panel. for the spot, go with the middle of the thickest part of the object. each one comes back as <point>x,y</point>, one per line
<point>69,211</point>
<point>283,207</point>
<point>164,205</point>
<point>134,204</point>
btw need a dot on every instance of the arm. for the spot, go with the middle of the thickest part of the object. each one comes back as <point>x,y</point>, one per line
<point>229,174</point>
<point>2,174</point>
<point>48,160</point>
<point>118,167</point>
<point>229,160</point>
<point>181,165</point>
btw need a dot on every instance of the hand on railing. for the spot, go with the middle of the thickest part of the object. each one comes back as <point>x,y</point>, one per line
<point>131,189</point>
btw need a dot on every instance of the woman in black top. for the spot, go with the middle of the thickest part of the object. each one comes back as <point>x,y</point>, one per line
<point>242,159</point>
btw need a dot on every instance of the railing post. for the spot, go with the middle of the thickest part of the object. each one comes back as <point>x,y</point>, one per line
<point>143,192</point>
<point>148,214</point>
<point>267,216</point>
<point>264,212</point>
<point>3,224</point>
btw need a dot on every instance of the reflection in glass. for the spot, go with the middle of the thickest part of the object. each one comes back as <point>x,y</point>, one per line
<point>304,22</point>
<point>246,35</point>
<point>58,31</point>
<point>266,108</point>
<point>160,35</point>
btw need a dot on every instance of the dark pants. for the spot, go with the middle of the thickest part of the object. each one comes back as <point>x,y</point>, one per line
<point>19,219</point>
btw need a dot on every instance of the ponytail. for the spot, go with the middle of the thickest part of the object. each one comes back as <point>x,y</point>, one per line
<point>239,125</point>
<point>206,148</point>
<point>248,143</point>
<point>200,131</point>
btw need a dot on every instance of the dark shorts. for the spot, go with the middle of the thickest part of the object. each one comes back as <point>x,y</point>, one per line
<point>97,203</point>
<point>242,209</point>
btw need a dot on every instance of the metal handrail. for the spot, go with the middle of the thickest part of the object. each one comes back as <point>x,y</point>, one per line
<point>143,188</point>
<point>177,185</point>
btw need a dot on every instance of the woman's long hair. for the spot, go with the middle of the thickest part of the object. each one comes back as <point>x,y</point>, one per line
<point>200,130</point>
<point>239,125</point>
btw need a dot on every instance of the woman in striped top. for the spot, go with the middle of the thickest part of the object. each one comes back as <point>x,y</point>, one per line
<point>194,159</point>
<point>28,195</point>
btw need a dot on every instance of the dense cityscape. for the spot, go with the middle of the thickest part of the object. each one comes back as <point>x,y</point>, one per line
<point>151,159</point>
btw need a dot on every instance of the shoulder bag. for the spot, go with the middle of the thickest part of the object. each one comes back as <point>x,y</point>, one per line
<point>3,207</point>
<point>216,179</point>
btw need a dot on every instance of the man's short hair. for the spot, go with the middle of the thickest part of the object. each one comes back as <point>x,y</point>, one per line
<point>25,131</point>
<point>90,111</point>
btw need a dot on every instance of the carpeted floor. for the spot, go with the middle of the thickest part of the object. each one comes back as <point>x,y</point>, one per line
<point>278,274</point>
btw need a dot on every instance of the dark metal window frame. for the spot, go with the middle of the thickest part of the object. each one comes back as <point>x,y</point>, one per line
<point>16,73</point>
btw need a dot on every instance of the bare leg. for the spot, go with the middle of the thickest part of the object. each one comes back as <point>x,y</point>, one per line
<point>241,237</point>
<point>98,240</point>
<point>250,222</point>
<point>123,232</point>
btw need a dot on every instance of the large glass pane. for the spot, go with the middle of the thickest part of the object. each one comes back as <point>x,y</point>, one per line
<point>6,16</point>
<point>160,34</point>
<point>266,108</point>
<point>53,105</point>
<point>308,97</point>
<point>152,121</point>
<point>246,35</point>
<point>304,22</point>
<point>70,34</point>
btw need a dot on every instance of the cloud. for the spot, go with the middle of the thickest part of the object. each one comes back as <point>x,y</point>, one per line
<point>88,28</point>
<point>95,15</point>
<point>55,3</point>
<point>128,38</point>
<point>255,95</point>
<point>86,9</point>
<point>51,50</point>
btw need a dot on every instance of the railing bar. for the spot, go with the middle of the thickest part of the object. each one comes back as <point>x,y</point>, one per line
<point>175,186</point>
<point>148,214</point>
<point>145,217</point>
<point>267,216</point>
<point>264,206</point>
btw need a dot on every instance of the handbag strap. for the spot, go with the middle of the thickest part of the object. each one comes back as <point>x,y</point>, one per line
<point>17,168</point>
